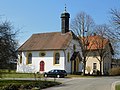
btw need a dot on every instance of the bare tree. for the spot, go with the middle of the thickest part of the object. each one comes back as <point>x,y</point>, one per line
<point>8,44</point>
<point>81,25</point>
<point>115,17</point>
<point>100,43</point>
<point>108,32</point>
<point>115,24</point>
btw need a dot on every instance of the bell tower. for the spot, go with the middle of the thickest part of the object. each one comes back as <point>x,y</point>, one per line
<point>65,21</point>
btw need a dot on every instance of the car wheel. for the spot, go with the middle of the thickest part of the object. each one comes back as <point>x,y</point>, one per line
<point>58,76</point>
<point>45,75</point>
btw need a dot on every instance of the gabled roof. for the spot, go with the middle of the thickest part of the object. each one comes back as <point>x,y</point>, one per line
<point>47,41</point>
<point>75,55</point>
<point>95,42</point>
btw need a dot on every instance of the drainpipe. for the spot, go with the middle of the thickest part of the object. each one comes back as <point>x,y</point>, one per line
<point>71,67</point>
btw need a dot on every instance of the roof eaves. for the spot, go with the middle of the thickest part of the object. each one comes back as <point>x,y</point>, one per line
<point>40,50</point>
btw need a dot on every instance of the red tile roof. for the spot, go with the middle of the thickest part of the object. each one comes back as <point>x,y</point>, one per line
<point>47,41</point>
<point>95,42</point>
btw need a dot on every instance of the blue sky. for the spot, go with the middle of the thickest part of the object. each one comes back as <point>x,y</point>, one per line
<point>39,16</point>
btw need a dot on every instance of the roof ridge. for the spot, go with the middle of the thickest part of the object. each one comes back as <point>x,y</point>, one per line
<point>45,33</point>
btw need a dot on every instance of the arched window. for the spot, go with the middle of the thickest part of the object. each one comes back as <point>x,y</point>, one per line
<point>68,56</point>
<point>57,58</point>
<point>29,58</point>
<point>20,59</point>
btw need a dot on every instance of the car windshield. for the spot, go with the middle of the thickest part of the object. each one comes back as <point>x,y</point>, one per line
<point>51,71</point>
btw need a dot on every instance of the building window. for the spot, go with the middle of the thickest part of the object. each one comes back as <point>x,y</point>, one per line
<point>20,59</point>
<point>94,66</point>
<point>29,58</point>
<point>42,54</point>
<point>56,58</point>
<point>68,56</point>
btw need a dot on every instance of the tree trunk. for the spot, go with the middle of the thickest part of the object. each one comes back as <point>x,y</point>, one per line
<point>100,68</point>
<point>84,66</point>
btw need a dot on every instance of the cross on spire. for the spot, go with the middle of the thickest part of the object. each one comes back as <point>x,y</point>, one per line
<point>65,8</point>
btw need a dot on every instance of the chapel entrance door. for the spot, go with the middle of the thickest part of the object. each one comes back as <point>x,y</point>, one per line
<point>42,64</point>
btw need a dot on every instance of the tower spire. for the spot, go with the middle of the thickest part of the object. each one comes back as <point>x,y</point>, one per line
<point>65,21</point>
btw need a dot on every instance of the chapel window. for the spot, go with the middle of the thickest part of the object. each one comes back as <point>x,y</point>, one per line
<point>20,59</point>
<point>68,56</point>
<point>42,54</point>
<point>29,58</point>
<point>57,58</point>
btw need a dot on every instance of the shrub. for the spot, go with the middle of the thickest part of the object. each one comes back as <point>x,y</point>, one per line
<point>26,85</point>
<point>114,71</point>
<point>117,87</point>
<point>96,72</point>
<point>10,87</point>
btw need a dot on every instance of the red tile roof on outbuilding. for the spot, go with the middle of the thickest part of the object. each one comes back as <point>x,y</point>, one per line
<point>95,42</point>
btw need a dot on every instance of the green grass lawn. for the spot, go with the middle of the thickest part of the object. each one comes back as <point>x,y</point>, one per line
<point>28,83</point>
<point>31,75</point>
<point>23,84</point>
<point>21,75</point>
<point>78,76</point>
<point>13,74</point>
<point>117,87</point>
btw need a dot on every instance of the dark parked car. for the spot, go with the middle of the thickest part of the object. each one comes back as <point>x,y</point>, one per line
<point>55,73</point>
